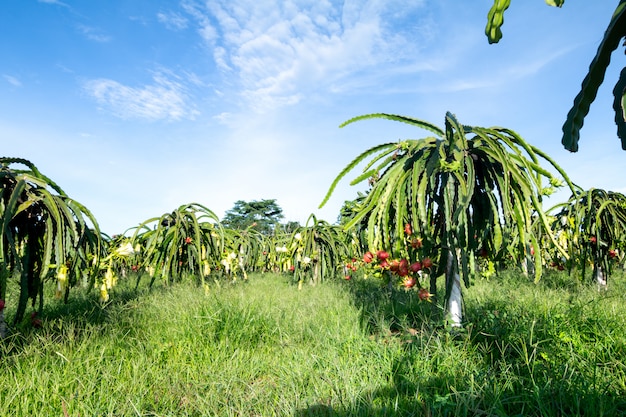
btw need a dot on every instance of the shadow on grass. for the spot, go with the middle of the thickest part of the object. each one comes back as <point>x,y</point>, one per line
<point>410,394</point>
<point>393,310</point>
<point>513,358</point>
<point>399,399</point>
<point>82,310</point>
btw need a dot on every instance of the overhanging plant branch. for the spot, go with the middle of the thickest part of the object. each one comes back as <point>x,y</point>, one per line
<point>614,33</point>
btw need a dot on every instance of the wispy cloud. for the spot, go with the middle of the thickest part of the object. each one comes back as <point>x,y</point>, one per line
<point>12,80</point>
<point>536,64</point>
<point>511,70</point>
<point>281,54</point>
<point>173,21</point>
<point>93,34</point>
<point>165,99</point>
<point>57,2</point>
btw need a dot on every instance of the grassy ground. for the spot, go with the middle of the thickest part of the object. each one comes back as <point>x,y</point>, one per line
<point>264,348</point>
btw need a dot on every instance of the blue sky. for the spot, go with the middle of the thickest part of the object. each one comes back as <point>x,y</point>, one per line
<point>135,107</point>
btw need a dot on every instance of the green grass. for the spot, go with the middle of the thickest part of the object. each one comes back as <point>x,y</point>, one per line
<point>263,348</point>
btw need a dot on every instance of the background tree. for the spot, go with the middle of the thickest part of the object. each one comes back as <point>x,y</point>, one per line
<point>265,215</point>
<point>613,35</point>
<point>290,227</point>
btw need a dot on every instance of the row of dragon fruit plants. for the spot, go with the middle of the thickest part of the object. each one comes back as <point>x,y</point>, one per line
<point>51,240</point>
<point>459,204</point>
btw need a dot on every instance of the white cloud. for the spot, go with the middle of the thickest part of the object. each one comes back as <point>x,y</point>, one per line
<point>281,54</point>
<point>165,99</point>
<point>93,34</point>
<point>173,21</point>
<point>12,80</point>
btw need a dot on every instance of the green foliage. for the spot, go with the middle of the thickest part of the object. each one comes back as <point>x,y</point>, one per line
<point>619,106</point>
<point>592,225</point>
<point>495,18</point>
<point>290,226</point>
<point>613,35</point>
<point>343,349</point>
<point>318,251</point>
<point>264,215</point>
<point>187,241</point>
<point>467,188</point>
<point>42,231</point>
<point>558,337</point>
<point>242,251</point>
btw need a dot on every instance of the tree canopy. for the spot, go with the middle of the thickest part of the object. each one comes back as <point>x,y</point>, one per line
<point>263,215</point>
